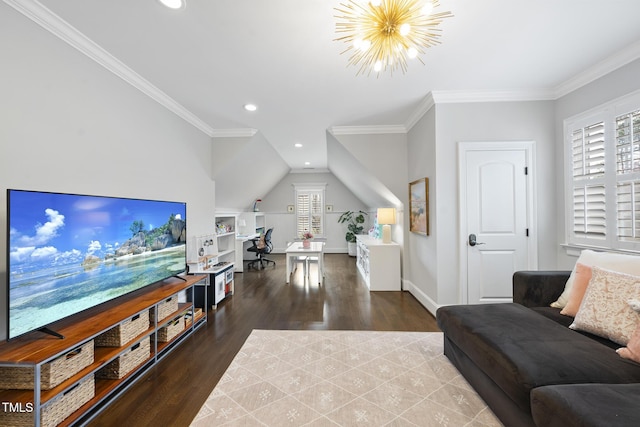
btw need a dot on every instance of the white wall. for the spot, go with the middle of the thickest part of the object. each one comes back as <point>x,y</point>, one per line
<point>245,172</point>
<point>275,203</point>
<point>373,166</point>
<point>68,125</point>
<point>384,156</point>
<point>614,85</point>
<point>472,122</point>
<point>421,254</point>
<point>362,166</point>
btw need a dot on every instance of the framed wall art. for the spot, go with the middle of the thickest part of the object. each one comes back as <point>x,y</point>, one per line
<point>419,206</point>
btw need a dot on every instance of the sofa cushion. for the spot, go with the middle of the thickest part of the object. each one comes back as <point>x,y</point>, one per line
<point>554,314</point>
<point>623,263</point>
<point>586,405</point>
<point>604,310</point>
<point>520,349</point>
<point>632,350</point>
<point>579,288</point>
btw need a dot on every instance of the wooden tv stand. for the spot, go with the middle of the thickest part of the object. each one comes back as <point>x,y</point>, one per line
<point>33,353</point>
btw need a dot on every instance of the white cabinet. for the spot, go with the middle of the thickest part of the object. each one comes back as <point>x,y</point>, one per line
<point>226,238</point>
<point>378,263</point>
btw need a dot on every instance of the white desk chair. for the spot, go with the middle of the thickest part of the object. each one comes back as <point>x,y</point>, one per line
<point>314,259</point>
<point>301,259</point>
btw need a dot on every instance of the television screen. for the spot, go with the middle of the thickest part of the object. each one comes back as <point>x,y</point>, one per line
<point>68,253</point>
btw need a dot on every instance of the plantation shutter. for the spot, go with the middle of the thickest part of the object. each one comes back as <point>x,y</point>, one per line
<point>628,176</point>
<point>602,151</point>
<point>589,197</point>
<point>310,211</point>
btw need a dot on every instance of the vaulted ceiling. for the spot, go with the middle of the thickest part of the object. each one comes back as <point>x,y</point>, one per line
<point>214,56</point>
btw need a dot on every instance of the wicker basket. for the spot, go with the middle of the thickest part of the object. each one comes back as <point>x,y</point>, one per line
<point>17,418</point>
<point>165,308</point>
<point>188,318</point>
<point>65,404</point>
<point>125,332</point>
<point>167,333</point>
<point>52,373</point>
<point>127,361</point>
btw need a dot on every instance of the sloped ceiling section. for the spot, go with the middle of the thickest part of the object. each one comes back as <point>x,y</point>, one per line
<point>245,169</point>
<point>348,169</point>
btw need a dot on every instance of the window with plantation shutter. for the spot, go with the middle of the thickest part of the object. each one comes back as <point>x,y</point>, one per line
<point>628,176</point>
<point>309,209</point>
<point>588,161</point>
<point>603,175</point>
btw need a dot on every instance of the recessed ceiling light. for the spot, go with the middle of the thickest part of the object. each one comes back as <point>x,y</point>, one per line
<point>307,163</point>
<point>174,4</point>
<point>250,107</point>
<point>297,145</point>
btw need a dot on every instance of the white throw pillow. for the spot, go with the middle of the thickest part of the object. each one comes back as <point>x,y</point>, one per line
<point>605,310</point>
<point>622,263</point>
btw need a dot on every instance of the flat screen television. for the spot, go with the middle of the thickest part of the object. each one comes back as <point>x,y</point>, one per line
<point>68,252</point>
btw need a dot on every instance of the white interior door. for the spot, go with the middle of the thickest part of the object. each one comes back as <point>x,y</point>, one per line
<point>497,201</point>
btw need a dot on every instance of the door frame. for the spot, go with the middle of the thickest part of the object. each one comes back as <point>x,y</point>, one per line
<point>529,147</point>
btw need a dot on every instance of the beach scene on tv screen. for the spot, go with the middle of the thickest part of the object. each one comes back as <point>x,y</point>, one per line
<point>68,253</point>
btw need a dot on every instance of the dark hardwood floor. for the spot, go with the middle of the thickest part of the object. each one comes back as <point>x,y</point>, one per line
<point>173,391</point>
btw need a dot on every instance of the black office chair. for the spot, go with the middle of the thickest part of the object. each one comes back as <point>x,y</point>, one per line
<point>261,250</point>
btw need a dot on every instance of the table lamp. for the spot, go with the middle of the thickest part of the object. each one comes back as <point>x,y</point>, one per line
<point>386,217</point>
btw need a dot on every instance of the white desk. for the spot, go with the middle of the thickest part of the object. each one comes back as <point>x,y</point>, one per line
<point>295,250</point>
<point>240,241</point>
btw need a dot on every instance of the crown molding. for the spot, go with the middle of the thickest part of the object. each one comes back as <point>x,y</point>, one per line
<point>602,68</point>
<point>367,130</point>
<point>48,20</point>
<point>51,22</point>
<point>233,133</point>
<point>456,96</point>
<point>427,103</point>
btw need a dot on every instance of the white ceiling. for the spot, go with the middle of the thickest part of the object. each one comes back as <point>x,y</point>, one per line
<point>217,55</point>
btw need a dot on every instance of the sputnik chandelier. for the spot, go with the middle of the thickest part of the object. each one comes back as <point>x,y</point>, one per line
<point>384,34</point>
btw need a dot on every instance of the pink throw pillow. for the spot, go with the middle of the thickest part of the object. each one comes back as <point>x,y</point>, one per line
<point>582,277</point>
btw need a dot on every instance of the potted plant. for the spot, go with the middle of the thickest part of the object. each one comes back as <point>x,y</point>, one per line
<point>355,221</point>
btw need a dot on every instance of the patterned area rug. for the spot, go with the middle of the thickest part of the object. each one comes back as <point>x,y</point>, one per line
<point>344,378</point>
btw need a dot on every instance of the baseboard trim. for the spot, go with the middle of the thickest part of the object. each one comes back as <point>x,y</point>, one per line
<point>422,298</point>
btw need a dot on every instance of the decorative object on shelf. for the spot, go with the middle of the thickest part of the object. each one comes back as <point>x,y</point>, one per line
<point>383,34</point>
<point>354,222</point>
<point>255,205</point>
<point>419,206</point>
<point>306,237</point>
<point>386,217</point>
<point>222,228</point>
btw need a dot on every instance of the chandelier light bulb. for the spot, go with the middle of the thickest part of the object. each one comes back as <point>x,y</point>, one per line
<point>427,8</point>
<point>173,4</point>
<point>385,34</point>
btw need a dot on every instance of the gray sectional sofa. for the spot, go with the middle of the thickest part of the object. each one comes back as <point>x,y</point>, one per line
<point>531,369</point>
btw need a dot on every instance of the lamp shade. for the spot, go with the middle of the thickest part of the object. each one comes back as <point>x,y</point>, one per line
<point>386,215</point>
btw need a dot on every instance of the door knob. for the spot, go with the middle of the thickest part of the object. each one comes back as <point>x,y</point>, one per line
<point>472,240</point>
